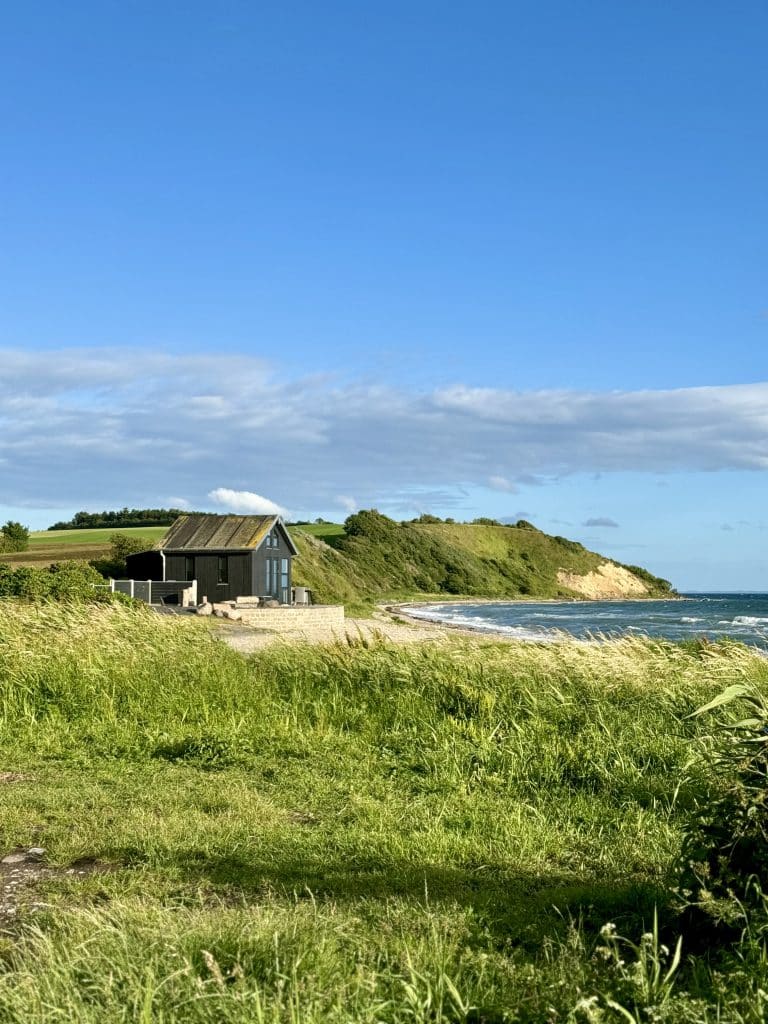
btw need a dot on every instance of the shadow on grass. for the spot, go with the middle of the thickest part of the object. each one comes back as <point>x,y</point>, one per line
<point>510,905</point>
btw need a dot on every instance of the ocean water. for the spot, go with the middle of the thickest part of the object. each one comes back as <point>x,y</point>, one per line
<point>742,617</point>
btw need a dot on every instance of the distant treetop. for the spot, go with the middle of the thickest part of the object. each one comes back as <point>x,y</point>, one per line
<point>125,517</point>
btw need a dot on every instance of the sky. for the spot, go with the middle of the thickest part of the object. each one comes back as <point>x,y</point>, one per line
<point>473,259</point>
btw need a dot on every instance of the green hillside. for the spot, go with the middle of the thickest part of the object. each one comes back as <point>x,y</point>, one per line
<point>375,558</point>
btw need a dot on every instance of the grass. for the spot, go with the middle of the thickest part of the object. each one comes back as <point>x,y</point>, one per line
<point>48,546</point>
<point>352,833</point>
<point>376,559</point>
<point>65,538</point>
<point>328,532</point>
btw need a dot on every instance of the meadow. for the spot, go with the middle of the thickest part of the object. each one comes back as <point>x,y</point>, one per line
<point>49,546</point>
<point>466,832</point>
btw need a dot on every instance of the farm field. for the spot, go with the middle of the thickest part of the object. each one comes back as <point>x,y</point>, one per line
<point>354,833</point>
<point>62,538</point>
<point>48,546</point>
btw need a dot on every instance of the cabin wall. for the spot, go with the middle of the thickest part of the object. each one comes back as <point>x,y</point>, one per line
<point>246,570</point>
<point>206,572</point>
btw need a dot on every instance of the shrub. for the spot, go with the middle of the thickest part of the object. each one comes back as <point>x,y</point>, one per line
<point>62,581</point>
<point>725,849</point>
<point>14,537</point>
<point>122,545</point>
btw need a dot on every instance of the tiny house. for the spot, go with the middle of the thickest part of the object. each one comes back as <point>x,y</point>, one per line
<point>229,556</point>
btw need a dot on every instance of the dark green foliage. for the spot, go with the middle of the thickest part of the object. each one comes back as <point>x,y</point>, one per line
<point>114,566</point>
<point>404,557</point>
<point>724,860</point>
<point>207,752</point>
<point>375,558</point>
<point>485,521</point>
<point>14,537</point>
<point>656,582</point>
<point>569,545</point>
<point>62,581</point>
<point>124,518</point>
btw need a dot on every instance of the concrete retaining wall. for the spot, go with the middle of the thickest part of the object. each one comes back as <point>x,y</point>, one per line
<point>295,618</point>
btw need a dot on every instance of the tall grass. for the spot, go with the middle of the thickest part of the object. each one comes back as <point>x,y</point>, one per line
<point>354,832</point>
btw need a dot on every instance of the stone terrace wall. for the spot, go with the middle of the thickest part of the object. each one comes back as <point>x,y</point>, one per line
<point>295,618</point>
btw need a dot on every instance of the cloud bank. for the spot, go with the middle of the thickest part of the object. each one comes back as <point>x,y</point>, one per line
<point>85,427</point>
<point>245,502</point>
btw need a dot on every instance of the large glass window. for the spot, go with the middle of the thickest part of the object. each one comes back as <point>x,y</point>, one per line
<point>189,567</point>
<point>284,574</point>
<point>223,569</point>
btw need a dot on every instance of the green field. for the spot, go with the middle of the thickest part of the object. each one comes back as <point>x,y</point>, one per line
<point>324,531</point>
<point>61,538</point>
<point>354,833</point>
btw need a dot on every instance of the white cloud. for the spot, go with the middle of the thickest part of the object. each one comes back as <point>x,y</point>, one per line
<point>246,502</point>
<point>500,483</point>
<point>87,427</point>
<point>600,521</point>
<point>348,503</point>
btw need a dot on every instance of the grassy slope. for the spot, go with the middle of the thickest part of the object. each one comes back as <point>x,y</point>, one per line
<point>402,562</point>
<point>414,559</point>
<point>347,835</point>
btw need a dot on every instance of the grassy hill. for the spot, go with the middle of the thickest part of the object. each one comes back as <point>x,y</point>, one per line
<point>356,834</point>
<point>376,558</point>
<point>372,558</point>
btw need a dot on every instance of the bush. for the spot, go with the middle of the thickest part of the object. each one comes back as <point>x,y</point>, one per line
<point>725,849</point>
<point>63,581</point>
<point>14,537</point>
<point>114,566</point>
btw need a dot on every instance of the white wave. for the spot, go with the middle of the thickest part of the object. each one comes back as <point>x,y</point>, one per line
<point>689,618</point>
<point>749,620</point>
<point>481,624</point>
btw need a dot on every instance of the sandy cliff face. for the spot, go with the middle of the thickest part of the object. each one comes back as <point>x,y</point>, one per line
<point>604,583</point>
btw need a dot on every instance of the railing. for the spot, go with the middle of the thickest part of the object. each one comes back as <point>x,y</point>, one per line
<point>158,591</point>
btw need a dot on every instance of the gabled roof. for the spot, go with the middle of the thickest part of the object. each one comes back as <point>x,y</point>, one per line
<point>221,533</point>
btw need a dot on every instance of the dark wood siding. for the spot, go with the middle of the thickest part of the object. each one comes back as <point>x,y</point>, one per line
<point>206,572</point>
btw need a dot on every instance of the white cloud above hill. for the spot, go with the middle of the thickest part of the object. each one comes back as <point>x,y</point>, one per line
<point>245,502</point>
<point>79,427</point>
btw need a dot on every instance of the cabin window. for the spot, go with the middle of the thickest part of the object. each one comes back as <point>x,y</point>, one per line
<point>284,574</point>
<point>223,569</point>
<point>189,567</point>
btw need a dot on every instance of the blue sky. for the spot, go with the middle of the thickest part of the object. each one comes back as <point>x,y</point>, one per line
<point>476,259</point>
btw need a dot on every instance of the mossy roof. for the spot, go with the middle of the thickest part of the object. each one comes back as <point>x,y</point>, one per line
<point>220,533</point>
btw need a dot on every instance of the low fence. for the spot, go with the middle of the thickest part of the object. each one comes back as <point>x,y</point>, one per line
<point>183,592</point>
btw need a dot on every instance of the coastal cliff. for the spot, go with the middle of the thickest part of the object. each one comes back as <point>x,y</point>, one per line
<point>372,558</point>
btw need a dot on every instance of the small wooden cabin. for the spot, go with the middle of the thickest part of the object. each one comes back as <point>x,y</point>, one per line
<point>229,556</point>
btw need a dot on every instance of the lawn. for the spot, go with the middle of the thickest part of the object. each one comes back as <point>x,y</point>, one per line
<point>351,833</point>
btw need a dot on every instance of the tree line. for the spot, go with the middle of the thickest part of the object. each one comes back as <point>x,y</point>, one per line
<point>122,518</point>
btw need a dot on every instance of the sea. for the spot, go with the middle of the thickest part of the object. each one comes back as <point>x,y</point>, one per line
<point>742,617</point>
